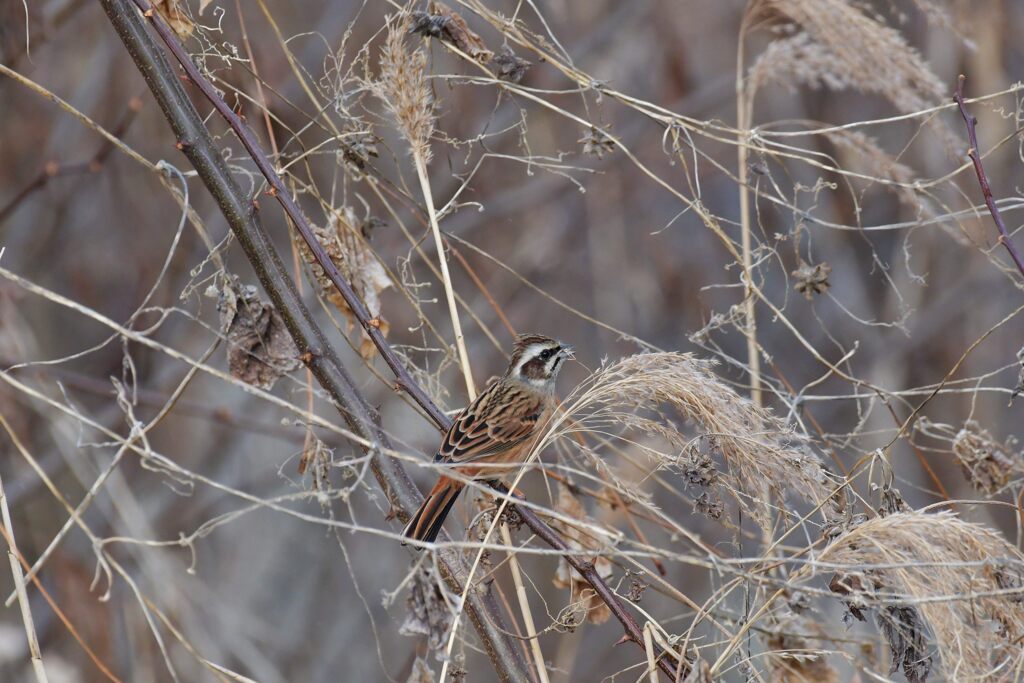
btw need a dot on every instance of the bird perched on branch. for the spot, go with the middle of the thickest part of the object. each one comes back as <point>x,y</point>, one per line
<point>499,427</point>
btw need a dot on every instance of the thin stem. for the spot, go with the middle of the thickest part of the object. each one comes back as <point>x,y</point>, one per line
<point>743,112</point>
<point>986,189</point>
<point>242,215</point>
<point>19,585</point>
<point>453,311</point>
<point>524,605</point>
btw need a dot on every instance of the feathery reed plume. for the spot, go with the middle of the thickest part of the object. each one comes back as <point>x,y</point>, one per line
<point>759,451</point>
<point>404,89</point>
<point>935,574</point>
<point>840,46</point>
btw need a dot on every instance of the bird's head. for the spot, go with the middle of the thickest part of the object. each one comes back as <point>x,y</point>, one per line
<point>536,360</point>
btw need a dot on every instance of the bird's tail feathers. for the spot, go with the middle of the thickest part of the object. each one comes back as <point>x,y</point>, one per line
<point>426,523</point>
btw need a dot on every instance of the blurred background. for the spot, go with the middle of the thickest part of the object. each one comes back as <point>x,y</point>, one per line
<point>568,209</point>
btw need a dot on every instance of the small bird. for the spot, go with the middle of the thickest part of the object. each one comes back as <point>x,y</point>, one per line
<point>499,427</point>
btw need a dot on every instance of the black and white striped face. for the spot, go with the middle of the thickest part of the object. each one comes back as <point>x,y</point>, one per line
<point>536,360</point>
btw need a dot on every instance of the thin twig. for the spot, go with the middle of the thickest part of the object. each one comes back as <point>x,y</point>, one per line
<point>243,217</point>
<point>986,189</point>
<point>200,149</point>
<point>19,585</point>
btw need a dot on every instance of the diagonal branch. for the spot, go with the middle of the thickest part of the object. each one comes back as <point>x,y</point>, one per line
<point>243,217</point>
<point>986,189</point>
<point>321,356</point>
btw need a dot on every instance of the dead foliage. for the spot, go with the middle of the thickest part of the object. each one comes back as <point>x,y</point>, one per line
<point>938,587</point>
<point>584,603</point>
<point>429,613</point>
<point>259,347</point>
<point>346,241</point>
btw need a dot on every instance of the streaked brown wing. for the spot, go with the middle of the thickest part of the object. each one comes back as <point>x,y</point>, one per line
<point>500,418</point>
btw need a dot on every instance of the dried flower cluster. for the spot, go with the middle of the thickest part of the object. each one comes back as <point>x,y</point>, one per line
<point>986,463</point>
<point>259,348</point>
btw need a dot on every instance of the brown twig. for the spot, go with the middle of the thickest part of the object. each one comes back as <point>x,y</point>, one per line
<point>587,570</point>
<point>986,189</point>
<point>242,215</point>
<point>404,380</point>
<point>55,169</point>
<point>284,197</point>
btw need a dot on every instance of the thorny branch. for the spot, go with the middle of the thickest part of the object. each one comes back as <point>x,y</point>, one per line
<point>242,215</point>
<point>404,379</point>
<point>986,189</point>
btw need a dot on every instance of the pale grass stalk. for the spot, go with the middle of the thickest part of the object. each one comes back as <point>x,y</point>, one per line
<point>505,499</point>
<point>524,605</point>
<point>652,666</point>
<point>743,116</point>
<point>19,585</point>
<point>453,311</point>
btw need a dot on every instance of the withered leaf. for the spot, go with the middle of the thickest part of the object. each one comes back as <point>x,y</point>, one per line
<point>427,25</point>
<point>345,241</point>
<point>582,595</point>
<point>811,280</point>
<point>428,614</point>
<point>791,656</point>
<point>986,463</point>
<point>175,13</point>
<point>359,146</point>
<point>510,66</point>
<point>440,21</point>
<point>904,629</point>
<point>259,347</point>
<point>711,507</point>
<point>853,586</point>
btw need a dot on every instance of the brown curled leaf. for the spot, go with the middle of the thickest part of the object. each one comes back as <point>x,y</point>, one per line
<point>443,22</point>
<point>585,603</point>
<point>260,350</point>
<point>175,13</point>
<point>346,242</point>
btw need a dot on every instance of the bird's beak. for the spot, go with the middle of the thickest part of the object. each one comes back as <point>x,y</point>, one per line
<point>567,350</point>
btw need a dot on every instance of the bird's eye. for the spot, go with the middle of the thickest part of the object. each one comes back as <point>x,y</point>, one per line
<point>545,354</point>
